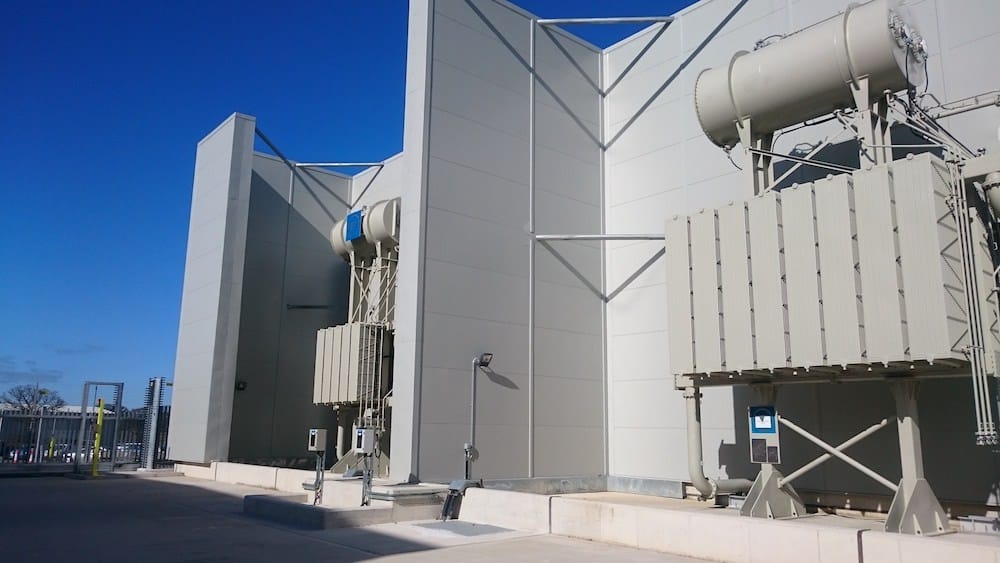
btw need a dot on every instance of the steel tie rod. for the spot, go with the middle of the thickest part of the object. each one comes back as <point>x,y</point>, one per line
<point>826,457</point>
<point>839,455</point>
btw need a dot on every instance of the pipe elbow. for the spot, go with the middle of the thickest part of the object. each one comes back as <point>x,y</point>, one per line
<point>707,488</point>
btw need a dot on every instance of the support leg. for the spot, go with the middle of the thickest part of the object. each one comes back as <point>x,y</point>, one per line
<point>914,509</point>
<point>759,167</point>
<point>768,498</point>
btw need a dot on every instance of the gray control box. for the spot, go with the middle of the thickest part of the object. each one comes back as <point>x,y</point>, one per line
<point>317,440</point>
<point>364,441</point>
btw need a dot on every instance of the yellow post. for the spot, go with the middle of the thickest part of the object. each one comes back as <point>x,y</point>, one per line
<point>52,446</point>
<point>97,437</point>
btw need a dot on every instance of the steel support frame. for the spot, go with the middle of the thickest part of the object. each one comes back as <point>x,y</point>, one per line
<point>914,509</point>
<point>840,447</point>
<point>839,454</point>
<point>535,238</point>
<point>152,421</point>
<point>613,20</point>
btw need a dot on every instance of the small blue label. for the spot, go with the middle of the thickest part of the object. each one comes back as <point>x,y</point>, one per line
<point>353,231</point>
<point>763,420</point>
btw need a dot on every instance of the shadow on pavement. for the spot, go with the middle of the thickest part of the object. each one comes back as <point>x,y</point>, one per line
<point>169,519</point>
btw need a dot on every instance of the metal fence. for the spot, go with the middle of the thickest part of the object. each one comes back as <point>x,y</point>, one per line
<point>45,437</point>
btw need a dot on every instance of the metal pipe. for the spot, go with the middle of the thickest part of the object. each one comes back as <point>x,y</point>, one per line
<point>816,163</point>
<point>38,437</point>
<point>598,237</point>
<point>974,106</point>
<point>119,390</point>
<point>931,146</point>
<point>531,249</point>
<point>972,301</point>
<point>336,164</point>
<point>470,447</point>
<point>272,146</point>
<point>709,488</point>
<point>838,454</point>
<point>83,428</point>
<point>576,21</point>
<point>823,458</point>
<point>605,418</point>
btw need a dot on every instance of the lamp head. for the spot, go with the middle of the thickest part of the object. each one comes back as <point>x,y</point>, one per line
<point>485,359</point>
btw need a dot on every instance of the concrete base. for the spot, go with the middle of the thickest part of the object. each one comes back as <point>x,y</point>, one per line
<point>648,487</point>
<point>152,473</point>
<point>341,501</point>
<point>696,529</point>
<point>590,484</point>
<point>550,486</point>
<point>517,511</point>
<point>89,477</point>
<point>196,471</point>
<point>337,491</point>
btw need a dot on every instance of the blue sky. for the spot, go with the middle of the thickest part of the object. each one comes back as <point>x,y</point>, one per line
<point>101,106</point>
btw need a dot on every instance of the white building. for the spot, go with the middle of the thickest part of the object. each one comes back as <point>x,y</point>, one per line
<point>581,391</point>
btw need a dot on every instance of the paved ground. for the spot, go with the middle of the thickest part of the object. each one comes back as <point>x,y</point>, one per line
<point>184,519</point>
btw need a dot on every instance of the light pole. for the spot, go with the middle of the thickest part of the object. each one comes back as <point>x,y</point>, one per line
<point>480,361</point>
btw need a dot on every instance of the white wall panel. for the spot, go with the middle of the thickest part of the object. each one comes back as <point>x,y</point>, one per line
<point>648,174</point>
<point>476,268</point>
<point>475,193</point>
<point>204,373</point>
<point>641,356</point>
<point>463,94</point>
<point>626,261</point>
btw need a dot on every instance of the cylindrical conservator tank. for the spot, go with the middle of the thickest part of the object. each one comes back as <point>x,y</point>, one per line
<point>380,224</point>
<point>809,73</point>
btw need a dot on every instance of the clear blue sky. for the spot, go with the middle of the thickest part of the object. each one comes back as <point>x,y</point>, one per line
<point>101,106</point>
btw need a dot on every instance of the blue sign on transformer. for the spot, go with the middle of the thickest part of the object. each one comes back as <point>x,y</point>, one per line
<point>353,230</point>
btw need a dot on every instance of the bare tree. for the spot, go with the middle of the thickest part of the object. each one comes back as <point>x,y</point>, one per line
<point>32,398</point>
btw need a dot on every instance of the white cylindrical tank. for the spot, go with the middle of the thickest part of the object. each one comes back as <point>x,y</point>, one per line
<point>344,247</point>
<point>810,73</point>
<point>991,184</point>
<point>381,223</point>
